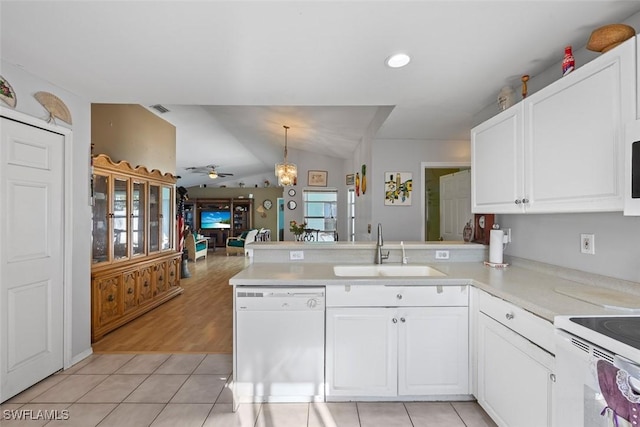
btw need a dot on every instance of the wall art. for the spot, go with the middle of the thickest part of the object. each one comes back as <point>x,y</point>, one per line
<point>397,188</point>
<point>317,179</point>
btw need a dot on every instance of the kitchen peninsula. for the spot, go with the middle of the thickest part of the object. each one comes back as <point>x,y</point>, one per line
<point>378,327</point>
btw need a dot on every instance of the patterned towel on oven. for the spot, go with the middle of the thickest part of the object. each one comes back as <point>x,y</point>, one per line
<point>623,404</point>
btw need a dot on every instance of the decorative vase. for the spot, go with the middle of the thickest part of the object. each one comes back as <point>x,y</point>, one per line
<point>505,98</point>
<point>569,62</point>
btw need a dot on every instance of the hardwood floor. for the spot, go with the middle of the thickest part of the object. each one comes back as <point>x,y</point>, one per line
<point>198,321</point>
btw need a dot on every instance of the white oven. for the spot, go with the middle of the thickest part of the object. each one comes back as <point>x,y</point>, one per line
<point>597,371</point>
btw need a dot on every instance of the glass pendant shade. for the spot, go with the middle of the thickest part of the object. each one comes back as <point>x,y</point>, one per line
<point>286,172</point>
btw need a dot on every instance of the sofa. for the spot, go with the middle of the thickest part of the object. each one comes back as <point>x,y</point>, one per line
<point>236,245</point>
<point>196,248</point>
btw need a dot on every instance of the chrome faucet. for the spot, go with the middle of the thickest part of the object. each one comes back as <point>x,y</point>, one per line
<point>379,255</point>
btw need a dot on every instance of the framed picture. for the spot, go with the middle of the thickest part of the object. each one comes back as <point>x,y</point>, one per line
<point>351,179</point>
<point>317,178</point>
<point>397,188</point>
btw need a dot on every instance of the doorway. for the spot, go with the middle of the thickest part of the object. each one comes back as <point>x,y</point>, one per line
<point>431,173</point>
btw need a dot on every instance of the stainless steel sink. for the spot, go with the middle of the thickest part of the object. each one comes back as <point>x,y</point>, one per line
<point>386,271</point>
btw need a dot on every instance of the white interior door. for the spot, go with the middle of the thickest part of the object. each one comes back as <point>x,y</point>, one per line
<point>31,255</point>
<point>455,204</point>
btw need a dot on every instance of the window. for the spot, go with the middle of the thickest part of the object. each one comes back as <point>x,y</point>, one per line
<point>320,213</point>
<point>351,215</point>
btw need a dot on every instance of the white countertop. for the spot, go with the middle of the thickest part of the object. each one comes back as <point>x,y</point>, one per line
<point>531,289</point>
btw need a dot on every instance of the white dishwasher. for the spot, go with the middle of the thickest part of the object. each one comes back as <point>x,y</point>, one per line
<point>279,344</point>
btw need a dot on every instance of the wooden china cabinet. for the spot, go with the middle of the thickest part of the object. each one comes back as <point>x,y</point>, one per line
<point>135,265</point>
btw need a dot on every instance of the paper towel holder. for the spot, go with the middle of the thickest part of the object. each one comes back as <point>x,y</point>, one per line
<point>483,224</point>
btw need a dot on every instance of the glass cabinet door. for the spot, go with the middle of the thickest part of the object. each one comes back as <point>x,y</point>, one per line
<point>154,218</point>
<point>138,209</point>
<point>100,219</point>
<point>120,217</point>
<point>166,217</point>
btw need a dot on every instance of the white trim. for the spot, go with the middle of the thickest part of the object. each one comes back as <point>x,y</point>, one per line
<point>434,165</point>
<point>67,347</point>
<point>79,357</point>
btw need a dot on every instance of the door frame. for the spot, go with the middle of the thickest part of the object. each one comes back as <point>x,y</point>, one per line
<point>434,165</point>
<point>67,211</point>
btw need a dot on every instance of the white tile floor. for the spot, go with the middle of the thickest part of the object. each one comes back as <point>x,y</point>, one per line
<point>192,390</point>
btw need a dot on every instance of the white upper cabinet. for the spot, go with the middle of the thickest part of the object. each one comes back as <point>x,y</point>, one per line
<point>569,156</point>
<point>497,179</point>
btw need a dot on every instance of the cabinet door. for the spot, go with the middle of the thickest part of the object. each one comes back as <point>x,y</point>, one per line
<point>173,272</point>
<point>497,163</point>
<point>108,301</point>
<point>101,219</point>
<point>574,138</point>
<point>120,218</point>
<point>166,218</point>
<point>154,218</point>
<point>138,218</point>
<point>361,352</point>
<point>160,277</point>
<point>129,279</point>
<point>145,284</point>
<point>514,383</point>
<point>433,351</point>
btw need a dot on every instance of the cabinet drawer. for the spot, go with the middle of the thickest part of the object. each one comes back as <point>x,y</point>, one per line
<point>347,295</point>
<point>530,326</point>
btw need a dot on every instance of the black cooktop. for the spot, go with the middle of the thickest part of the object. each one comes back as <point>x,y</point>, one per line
<point>623,329</point>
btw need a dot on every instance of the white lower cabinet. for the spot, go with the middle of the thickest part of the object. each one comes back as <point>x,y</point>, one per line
<point>515,377</point>
<point>383,352</point>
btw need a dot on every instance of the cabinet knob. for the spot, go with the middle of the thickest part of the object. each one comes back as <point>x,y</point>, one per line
<point>518,201</point>
<point>552,377</point>
<point>110,298</point>
<point>394,320</point>
<point>146,284</point>
<point>130,291</point>
<point>509,316</point>
<point>399,296</point>
<point>525,200</point>
<point>402,319</point>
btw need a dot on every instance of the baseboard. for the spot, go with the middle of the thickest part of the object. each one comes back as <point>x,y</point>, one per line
<point>80,357</point>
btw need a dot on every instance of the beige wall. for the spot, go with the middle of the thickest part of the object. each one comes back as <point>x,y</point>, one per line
<point>131,132</point>
<point>259,196</point>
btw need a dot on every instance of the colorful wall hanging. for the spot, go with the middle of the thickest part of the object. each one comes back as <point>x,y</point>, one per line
<point>7,94</point>
<point>397,188</point>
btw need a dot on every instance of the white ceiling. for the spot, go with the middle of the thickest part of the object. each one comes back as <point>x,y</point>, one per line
<point>233,72</point>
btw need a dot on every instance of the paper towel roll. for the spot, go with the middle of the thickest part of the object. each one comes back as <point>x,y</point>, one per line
<point>496,246</point>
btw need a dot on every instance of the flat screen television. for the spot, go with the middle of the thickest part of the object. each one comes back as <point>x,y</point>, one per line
<point>215,219</point>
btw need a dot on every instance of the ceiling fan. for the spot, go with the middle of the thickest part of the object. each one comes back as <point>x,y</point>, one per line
<point>209,170</point>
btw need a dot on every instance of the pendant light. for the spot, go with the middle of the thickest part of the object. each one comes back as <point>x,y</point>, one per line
<point>285,171</point>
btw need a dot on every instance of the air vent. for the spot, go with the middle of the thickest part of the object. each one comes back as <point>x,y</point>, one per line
<point>601,355</point>
<point>160,108</point>
<point>581,345</point>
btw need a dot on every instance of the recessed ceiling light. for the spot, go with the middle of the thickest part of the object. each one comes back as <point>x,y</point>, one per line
<point>398,60</point>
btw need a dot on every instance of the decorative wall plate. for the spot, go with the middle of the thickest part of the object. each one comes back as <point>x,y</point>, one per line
<point>267,204</point>
<point>7,94</point>
<point>54,105</point>
<point>292,192</point>
<point>291,204</point>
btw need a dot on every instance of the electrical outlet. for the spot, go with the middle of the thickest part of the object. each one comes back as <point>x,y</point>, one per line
<point>296,255</point>
<point>588,244</point>
<point>442,254</point>
<point>507,235</point>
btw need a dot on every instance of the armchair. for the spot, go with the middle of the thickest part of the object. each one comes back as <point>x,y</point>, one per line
<point>195,248</point>
<point>235,245</point>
